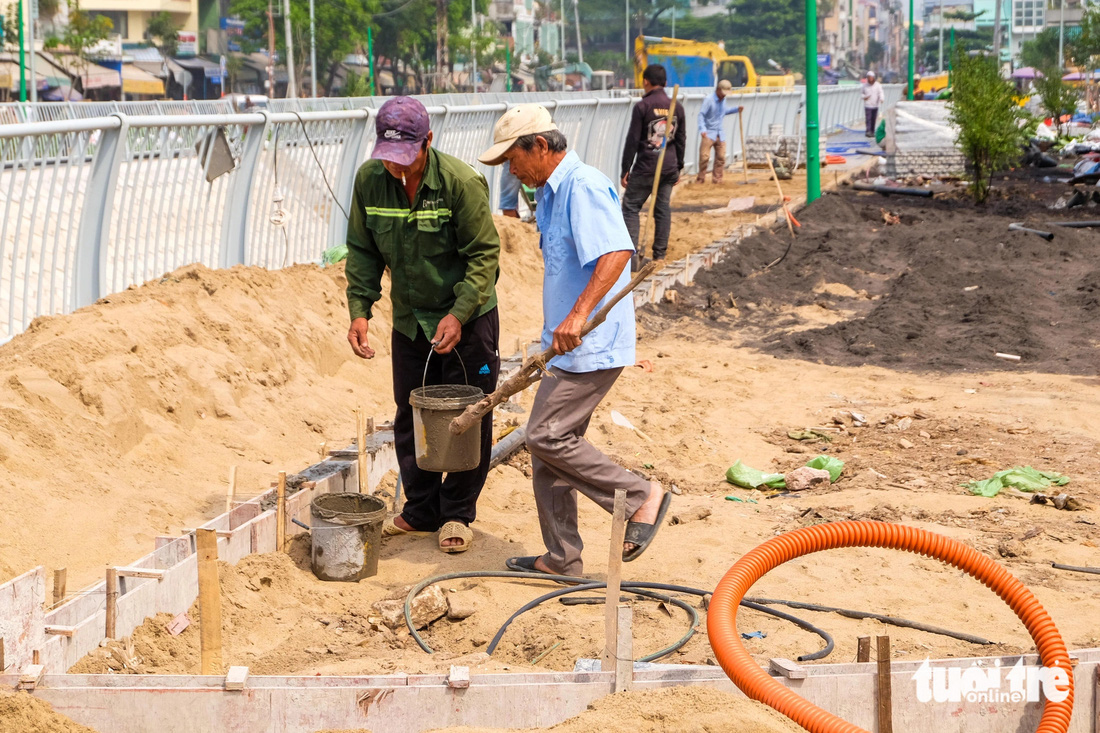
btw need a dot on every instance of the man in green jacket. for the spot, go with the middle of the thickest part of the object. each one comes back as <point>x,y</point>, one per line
<point>425,215</point>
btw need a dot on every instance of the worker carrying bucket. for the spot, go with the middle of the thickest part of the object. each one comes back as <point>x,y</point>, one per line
<point>425,215</point>
<point>585,249</point>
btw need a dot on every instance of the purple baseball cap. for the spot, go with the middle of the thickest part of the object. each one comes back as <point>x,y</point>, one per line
<point>401,127</point>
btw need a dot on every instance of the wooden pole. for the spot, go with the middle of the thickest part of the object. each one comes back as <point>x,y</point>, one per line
<point>280,513</point>
<point>366,470</point>
<point>361,447</point>
<point>782,199</point>
<point>614,581</point>
<point>884,707</point>
<point>744,150</point>
<point>232,490</point>
<point>657,173</point>
<point>3,664</point>
<point>624,648</point>
<point>60,575</point>
<point>210,602</point>
<point>112,603</point>
<point>863,649</point>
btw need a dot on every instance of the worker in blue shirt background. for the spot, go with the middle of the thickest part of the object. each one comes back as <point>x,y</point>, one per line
<point>711,115</point>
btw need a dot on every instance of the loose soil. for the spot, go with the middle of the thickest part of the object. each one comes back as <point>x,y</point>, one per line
<point>917,284</point>
<point>22,713</point>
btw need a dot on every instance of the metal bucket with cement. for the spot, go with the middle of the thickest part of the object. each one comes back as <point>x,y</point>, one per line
<point>434,407</point>
<point>347,536</point>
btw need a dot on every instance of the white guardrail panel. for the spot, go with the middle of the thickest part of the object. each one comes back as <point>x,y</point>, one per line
<point>98,196</point>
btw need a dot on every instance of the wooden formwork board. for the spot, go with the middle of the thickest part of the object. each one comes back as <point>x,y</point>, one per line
<point>411,703</point>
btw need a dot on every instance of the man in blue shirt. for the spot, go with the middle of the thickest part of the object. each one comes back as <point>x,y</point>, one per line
<point>585,250</point>
<point>711,115</point>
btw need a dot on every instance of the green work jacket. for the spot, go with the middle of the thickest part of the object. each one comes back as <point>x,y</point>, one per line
<point>443,251</point>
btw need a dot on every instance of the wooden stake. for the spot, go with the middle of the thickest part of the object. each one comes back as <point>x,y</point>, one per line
<point>36,657</point>
<point>280,513</point>
<point>884,706</point>
<point>60,575</point>
<point>361,447</point>
<point>3,664</point>
<point>324,445</point>
<point>782,199</point>
<point>112,602</point>
<point>232,490</point>
<point>744,150</point>
<point>210,602</point>
<point>863,649</point>
<point>368,461</point>
<point>624,647</point>
<point>614,581</point>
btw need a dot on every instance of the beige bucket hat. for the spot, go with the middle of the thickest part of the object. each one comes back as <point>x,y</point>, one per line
<point>523,119</point>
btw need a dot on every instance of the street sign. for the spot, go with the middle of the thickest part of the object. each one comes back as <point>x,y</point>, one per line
<point>825,59</point>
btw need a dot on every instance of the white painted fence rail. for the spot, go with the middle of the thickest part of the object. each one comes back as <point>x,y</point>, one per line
<point>93,205</point>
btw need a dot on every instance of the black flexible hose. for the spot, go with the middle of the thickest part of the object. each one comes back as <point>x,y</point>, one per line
<point>578,583</point>
<point>1076,568</point>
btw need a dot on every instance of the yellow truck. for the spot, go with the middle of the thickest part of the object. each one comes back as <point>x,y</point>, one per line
<point>702,64</point>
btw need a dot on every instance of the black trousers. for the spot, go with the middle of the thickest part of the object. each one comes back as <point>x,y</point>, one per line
<point>870,116</point>
<point>638,190</point>
<point>434,498</point>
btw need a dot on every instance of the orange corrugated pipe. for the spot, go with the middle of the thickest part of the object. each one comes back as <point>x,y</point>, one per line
<point>757,684</point>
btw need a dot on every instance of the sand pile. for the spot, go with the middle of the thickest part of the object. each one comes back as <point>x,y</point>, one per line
<point>942,288</point>
<point>22,713</point>
<point>120,422</point>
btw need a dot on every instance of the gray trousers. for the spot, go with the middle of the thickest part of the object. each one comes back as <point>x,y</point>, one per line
<point>565,463</point>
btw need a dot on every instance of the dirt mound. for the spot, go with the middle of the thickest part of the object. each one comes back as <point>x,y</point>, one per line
<point>22,713</point>
<point>119,422</point>
<point>669,710</point>
<point>943,287</point>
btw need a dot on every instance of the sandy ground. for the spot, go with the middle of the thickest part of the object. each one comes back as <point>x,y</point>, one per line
<point>22,713</point>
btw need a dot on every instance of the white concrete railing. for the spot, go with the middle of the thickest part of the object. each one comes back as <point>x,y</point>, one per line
<point>91,206</point>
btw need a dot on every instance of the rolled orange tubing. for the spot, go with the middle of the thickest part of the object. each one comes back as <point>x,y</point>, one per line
<point>757,684</point>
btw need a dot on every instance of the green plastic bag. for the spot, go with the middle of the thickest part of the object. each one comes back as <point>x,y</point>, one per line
<point>750,478</point>
<point>880,131</point>
<point>1024,478</point>
<point>332,255</point>
<point>827,463</point>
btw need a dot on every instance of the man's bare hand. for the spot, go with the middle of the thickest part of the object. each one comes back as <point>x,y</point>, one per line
<point>704,136</point>
<point>626,177</point>
<point>567,336</point>
<point>357,337</point>
<point>447,334</point>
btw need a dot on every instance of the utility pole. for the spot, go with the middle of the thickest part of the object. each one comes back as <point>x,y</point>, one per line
<point>270,51</point>
<point>473,43</point>
<point>30,34</point>
<point>940,67</point>
<point>1062,36</point>
<point>22,57</point>
<point>441,60</point>
<point>813,163</point>
<point>312,53</point>
<point>577,25</point>
<point>997,30</point>
<point>561,32</point>
<point>370,58</point>
<point>626,36</point>
<point>912,35</point>
<point>291,83</point>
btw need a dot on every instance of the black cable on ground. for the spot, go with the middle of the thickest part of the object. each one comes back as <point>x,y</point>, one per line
<point>891,620</point>
<point>578,584</point>
<point>1076,568</point>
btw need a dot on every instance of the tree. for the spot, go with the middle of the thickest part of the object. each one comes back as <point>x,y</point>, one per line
<point>1058,97</point>
<point>985,113</point>
<point>875,52</point>
<point>1041,52</point>
<point>340,26</point>
<point>768,29</point>
<point>82,33</point>
<point>164,28</point>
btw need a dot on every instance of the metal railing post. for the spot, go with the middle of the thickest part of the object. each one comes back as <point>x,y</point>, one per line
<point>90,263</point>
<point>355,147</point>
<point>234,246</point>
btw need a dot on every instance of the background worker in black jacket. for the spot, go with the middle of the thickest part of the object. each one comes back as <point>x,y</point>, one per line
<point>640,153</point>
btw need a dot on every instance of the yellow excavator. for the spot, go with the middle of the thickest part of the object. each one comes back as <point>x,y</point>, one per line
<point>702,64</point>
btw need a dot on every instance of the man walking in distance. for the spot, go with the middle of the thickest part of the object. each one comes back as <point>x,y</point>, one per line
<point>873,98</point>
<point>585,249</point>
<point>640,153</point>
<point>425,215</point>
<point>711,135</point>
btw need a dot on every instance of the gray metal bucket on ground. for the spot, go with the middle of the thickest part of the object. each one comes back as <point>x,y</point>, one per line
<point>433,409</point>
<point>346,530</point>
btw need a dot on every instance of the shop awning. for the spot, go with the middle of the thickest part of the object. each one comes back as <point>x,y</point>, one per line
<point>212,71</point>
<point>139,81</point>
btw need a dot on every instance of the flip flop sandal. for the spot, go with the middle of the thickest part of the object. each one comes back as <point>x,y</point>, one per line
<point>456,530</point>
<point>389,529</point>
<point>526,564</point>
<point>642,534</point>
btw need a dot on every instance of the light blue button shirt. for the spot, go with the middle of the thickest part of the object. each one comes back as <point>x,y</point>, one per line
<point>580,220</point>
<point>711,115</point>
